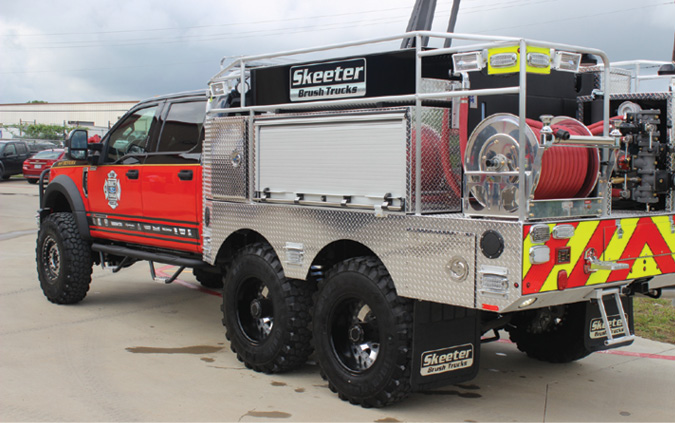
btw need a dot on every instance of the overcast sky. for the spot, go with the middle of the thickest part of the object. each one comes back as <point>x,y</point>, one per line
<point>102,50</point>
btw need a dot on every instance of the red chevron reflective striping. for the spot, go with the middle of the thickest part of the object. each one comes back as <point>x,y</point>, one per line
<point>646,233</point>
<point>601,236</point>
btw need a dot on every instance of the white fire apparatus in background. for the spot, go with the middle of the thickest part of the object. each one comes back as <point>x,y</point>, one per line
<point>392,211</point>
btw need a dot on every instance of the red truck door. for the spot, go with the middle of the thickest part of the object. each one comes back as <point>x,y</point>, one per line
<point>113,189</point>
<point>172,174</point>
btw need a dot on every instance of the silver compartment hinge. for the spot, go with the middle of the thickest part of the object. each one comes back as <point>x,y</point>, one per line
<point>599,295</point>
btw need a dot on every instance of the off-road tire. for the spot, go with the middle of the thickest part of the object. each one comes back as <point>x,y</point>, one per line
<point>345,339</point>
<point>256,277</point>
<point>208,279</point>
<point>553,334</point>
<point>64,261</point>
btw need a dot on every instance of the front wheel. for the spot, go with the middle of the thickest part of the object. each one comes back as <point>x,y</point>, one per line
<point>64,262</point>
<point>554,334</point>
<point>266,315</point>
<point>363,334</point>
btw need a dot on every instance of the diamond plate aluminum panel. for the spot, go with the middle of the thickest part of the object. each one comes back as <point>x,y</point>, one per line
<point>441,163</point>
<point>432,256</point>
<point>619,79</point>
<point>509,260</point>
<point>225,158</point>
<point>418,264</point>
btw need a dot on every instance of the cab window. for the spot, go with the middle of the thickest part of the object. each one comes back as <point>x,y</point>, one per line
<point>132,136</point>
<point>182,128</point>
<point>21,148</point>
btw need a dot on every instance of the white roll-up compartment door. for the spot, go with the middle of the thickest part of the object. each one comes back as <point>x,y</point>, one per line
<point>325,159</point>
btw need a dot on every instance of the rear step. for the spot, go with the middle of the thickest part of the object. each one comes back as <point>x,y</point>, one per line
<point>599,295</point>
<point>146,255</point>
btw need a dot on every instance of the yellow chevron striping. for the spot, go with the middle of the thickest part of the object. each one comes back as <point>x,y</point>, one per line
<point>664,227</point>
<point>645,266</point>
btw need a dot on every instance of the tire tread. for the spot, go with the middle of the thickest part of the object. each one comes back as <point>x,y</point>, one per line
<point>76,258</point>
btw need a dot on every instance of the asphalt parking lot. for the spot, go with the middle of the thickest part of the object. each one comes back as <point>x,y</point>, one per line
<point>135,350</point>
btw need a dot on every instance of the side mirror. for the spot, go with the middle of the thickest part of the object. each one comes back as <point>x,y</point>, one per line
<point>76,144</point>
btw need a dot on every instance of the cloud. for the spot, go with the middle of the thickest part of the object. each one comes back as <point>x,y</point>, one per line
<point>80,50</point>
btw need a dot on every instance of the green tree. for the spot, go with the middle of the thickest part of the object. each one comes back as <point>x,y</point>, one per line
<point>44,132</point>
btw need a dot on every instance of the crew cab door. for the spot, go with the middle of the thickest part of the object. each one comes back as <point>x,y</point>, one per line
<point>172,175</point>
<point>113,188</point>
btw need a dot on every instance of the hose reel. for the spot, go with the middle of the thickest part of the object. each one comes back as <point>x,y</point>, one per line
<point>555,172</point>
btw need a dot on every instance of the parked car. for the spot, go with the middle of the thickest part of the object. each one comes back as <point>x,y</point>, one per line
<point>36,146</point>
<point>12,155</point>
<point>33,166</point>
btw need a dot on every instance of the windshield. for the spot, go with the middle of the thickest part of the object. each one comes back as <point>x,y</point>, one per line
<point>47,154</point>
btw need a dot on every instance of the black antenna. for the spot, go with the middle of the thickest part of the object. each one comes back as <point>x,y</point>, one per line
<point>421,18</point>
<point>453,21</point>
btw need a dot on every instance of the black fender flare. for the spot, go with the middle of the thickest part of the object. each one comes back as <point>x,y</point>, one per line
<point>63,185</point>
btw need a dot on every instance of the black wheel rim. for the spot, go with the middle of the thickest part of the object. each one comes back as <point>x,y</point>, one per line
<point>255,311</point>
<point>51,259</point>
<point>354,335</point>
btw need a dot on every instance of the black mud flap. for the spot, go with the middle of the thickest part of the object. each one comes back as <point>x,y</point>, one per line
<point>446,345</point>
<point>595,332</point>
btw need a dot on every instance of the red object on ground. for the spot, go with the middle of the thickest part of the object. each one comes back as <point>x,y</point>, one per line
<point>95,139</point>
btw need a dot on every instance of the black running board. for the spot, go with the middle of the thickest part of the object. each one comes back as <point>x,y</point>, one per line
<point>146,255</point>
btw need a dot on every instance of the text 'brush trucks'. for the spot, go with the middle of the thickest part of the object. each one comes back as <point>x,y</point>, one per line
<point>389,211</point>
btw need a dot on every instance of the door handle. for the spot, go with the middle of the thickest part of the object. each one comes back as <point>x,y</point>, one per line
<point>132,174</point>
<point>185,175</point>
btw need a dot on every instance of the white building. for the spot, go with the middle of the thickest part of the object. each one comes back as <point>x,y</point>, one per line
<point>97,116</point>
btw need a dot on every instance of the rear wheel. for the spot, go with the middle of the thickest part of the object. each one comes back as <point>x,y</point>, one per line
<point>553,334</point>
<point>363,334</point>
<point>64,262</point>
<point>208,279</point>
<point>266,315</point>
